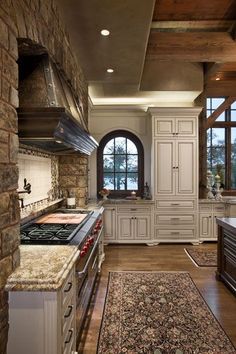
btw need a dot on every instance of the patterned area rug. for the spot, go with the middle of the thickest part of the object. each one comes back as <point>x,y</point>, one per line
<point>202,258</point>
<point>158,313</point>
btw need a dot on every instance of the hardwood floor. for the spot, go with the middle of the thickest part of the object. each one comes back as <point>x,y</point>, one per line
<point>159,258</point>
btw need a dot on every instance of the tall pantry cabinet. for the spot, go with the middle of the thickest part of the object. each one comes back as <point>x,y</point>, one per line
<point>175,174</point>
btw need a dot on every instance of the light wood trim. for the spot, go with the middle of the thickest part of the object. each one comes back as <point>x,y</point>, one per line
<point>193,26</point>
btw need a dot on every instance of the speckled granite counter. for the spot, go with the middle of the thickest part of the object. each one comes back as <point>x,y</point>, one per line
<point>43,268</point>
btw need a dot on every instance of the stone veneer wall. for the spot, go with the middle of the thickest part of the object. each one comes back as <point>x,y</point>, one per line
<point>37,21</point>
<point>73,177</point>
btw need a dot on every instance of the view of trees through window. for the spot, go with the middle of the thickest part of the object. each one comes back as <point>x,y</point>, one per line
<point>120,164</point>
<point>221,143</point>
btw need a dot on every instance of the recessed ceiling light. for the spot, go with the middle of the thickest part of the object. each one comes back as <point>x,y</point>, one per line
<point>217,78</point>
<point>105,32</point>
<point>110,70</point>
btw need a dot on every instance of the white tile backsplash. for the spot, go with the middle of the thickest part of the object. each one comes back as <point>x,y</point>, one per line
<point>37,171</point>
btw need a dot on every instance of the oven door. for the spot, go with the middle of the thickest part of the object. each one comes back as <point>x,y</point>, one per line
<point>85,283</point>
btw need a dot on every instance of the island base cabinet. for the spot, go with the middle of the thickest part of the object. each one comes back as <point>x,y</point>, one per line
<point>43,322</point>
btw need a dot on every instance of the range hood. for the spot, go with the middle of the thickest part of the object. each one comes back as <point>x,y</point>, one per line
<point>49,115</point>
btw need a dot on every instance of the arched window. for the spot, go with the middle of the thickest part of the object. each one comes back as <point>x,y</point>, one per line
<point>120,166</point>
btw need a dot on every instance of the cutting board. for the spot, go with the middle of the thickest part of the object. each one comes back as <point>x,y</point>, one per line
<point>60,218</point>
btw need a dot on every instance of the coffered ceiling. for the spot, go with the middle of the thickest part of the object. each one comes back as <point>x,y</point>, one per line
<point>162,52</point>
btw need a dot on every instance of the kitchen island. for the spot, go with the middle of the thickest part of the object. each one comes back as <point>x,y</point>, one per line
<point>42,300</point>
<point>226,252</point>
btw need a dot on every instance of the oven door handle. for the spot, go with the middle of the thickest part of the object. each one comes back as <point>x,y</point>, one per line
<point>83,272</point>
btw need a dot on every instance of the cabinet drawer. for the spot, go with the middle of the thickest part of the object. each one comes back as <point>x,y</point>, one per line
<point>173,205</point>
<point>188,219</point>
<point>134,209</point>
<point>68,289</point>
<point>68,314</point>
<point>181,234</point>
<point>205,207</point>
<point>219,208</point>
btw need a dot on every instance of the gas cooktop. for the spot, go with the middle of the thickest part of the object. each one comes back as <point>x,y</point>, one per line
<point>59,227</point>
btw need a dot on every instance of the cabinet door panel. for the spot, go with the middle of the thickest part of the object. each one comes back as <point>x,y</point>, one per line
<point>125,227</point>
<point>164,163</point>
<point>109,223</point>
<point>186,127</point>
<point>164,127</point>
<point>186,167</point>
<point>205,226</point>
<point>142,228</point>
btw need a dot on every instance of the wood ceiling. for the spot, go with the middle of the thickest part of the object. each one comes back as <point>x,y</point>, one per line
<point>197,31</point>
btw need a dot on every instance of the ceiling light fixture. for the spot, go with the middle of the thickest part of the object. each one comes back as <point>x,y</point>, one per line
<point>110,70</point>
<point>217,78</point>
<point>105,32</point>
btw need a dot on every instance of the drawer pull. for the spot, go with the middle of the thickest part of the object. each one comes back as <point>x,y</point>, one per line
<point>69,287</point>
<point>133,209</point>
<point>69,312</point>
<point>174,218</point>
<point>175,233</point>
<point>70,336</point>
<point>174,203</point>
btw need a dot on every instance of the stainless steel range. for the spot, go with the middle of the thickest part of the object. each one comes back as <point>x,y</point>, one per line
<point>73,227</point>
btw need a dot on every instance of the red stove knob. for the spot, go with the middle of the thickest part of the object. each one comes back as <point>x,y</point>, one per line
<point>85,248</point>
<point>91,240</point>
<point>82,253</point>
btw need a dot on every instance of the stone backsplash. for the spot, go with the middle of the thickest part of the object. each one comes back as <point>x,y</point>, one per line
<point>38,22</point>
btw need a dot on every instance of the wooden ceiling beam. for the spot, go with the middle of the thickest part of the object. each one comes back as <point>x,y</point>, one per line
<point>212,118</point>
<point>211,69</point>
<point>192,47</point>
<point>193,26</point>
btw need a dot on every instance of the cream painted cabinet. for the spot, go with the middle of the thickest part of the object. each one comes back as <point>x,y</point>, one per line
<point>133,227</point>
<point>110,223</point>
<point>128,223</point>
<point>174,127</point>
<point>175,174</point>
<point>208,212</point>
<point>175,167</point>
<point>43,322</point>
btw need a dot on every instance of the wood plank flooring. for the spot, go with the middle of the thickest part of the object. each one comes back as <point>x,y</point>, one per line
<point>159,258</point>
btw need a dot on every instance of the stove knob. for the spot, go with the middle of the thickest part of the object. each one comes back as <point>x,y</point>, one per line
<point>91,240</point>
<point>82,253</point>
<point>85,248</point>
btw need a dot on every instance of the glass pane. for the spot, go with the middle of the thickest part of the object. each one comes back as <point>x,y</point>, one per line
<point>132,181</point>
<point>108,181</point>
<point>132,163</point>
<point>209,166</point>
<point>108,163</point>
<point>120,181</point>
<point>208,103</point>
<point>216,102</point>
<point>120,145</point>
<point>218,136</point>
<point>233,158</point>
<point>221,117</point>
<point>109,147</point>
<point>217,158</point>
<point>208,113</point>
<point>209,137</point>
<point>233,105</point>
<point>131,147</point>
<point>233,116</point>
<point>120,163</point>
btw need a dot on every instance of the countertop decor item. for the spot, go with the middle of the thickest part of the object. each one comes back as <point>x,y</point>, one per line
<point>104,192</point>
<point>158,312</point>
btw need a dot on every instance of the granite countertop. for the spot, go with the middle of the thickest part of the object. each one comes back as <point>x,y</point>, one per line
<point>225,200</point>
<point>42,268</point>
<point>228,223</point>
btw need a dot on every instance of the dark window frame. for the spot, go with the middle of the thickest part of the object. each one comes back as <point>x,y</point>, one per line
<point>128,135</point>
<point>227,125</point>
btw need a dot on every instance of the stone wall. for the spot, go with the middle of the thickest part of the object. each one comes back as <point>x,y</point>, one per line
<point>73,177</point>
<point>37,21</point>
